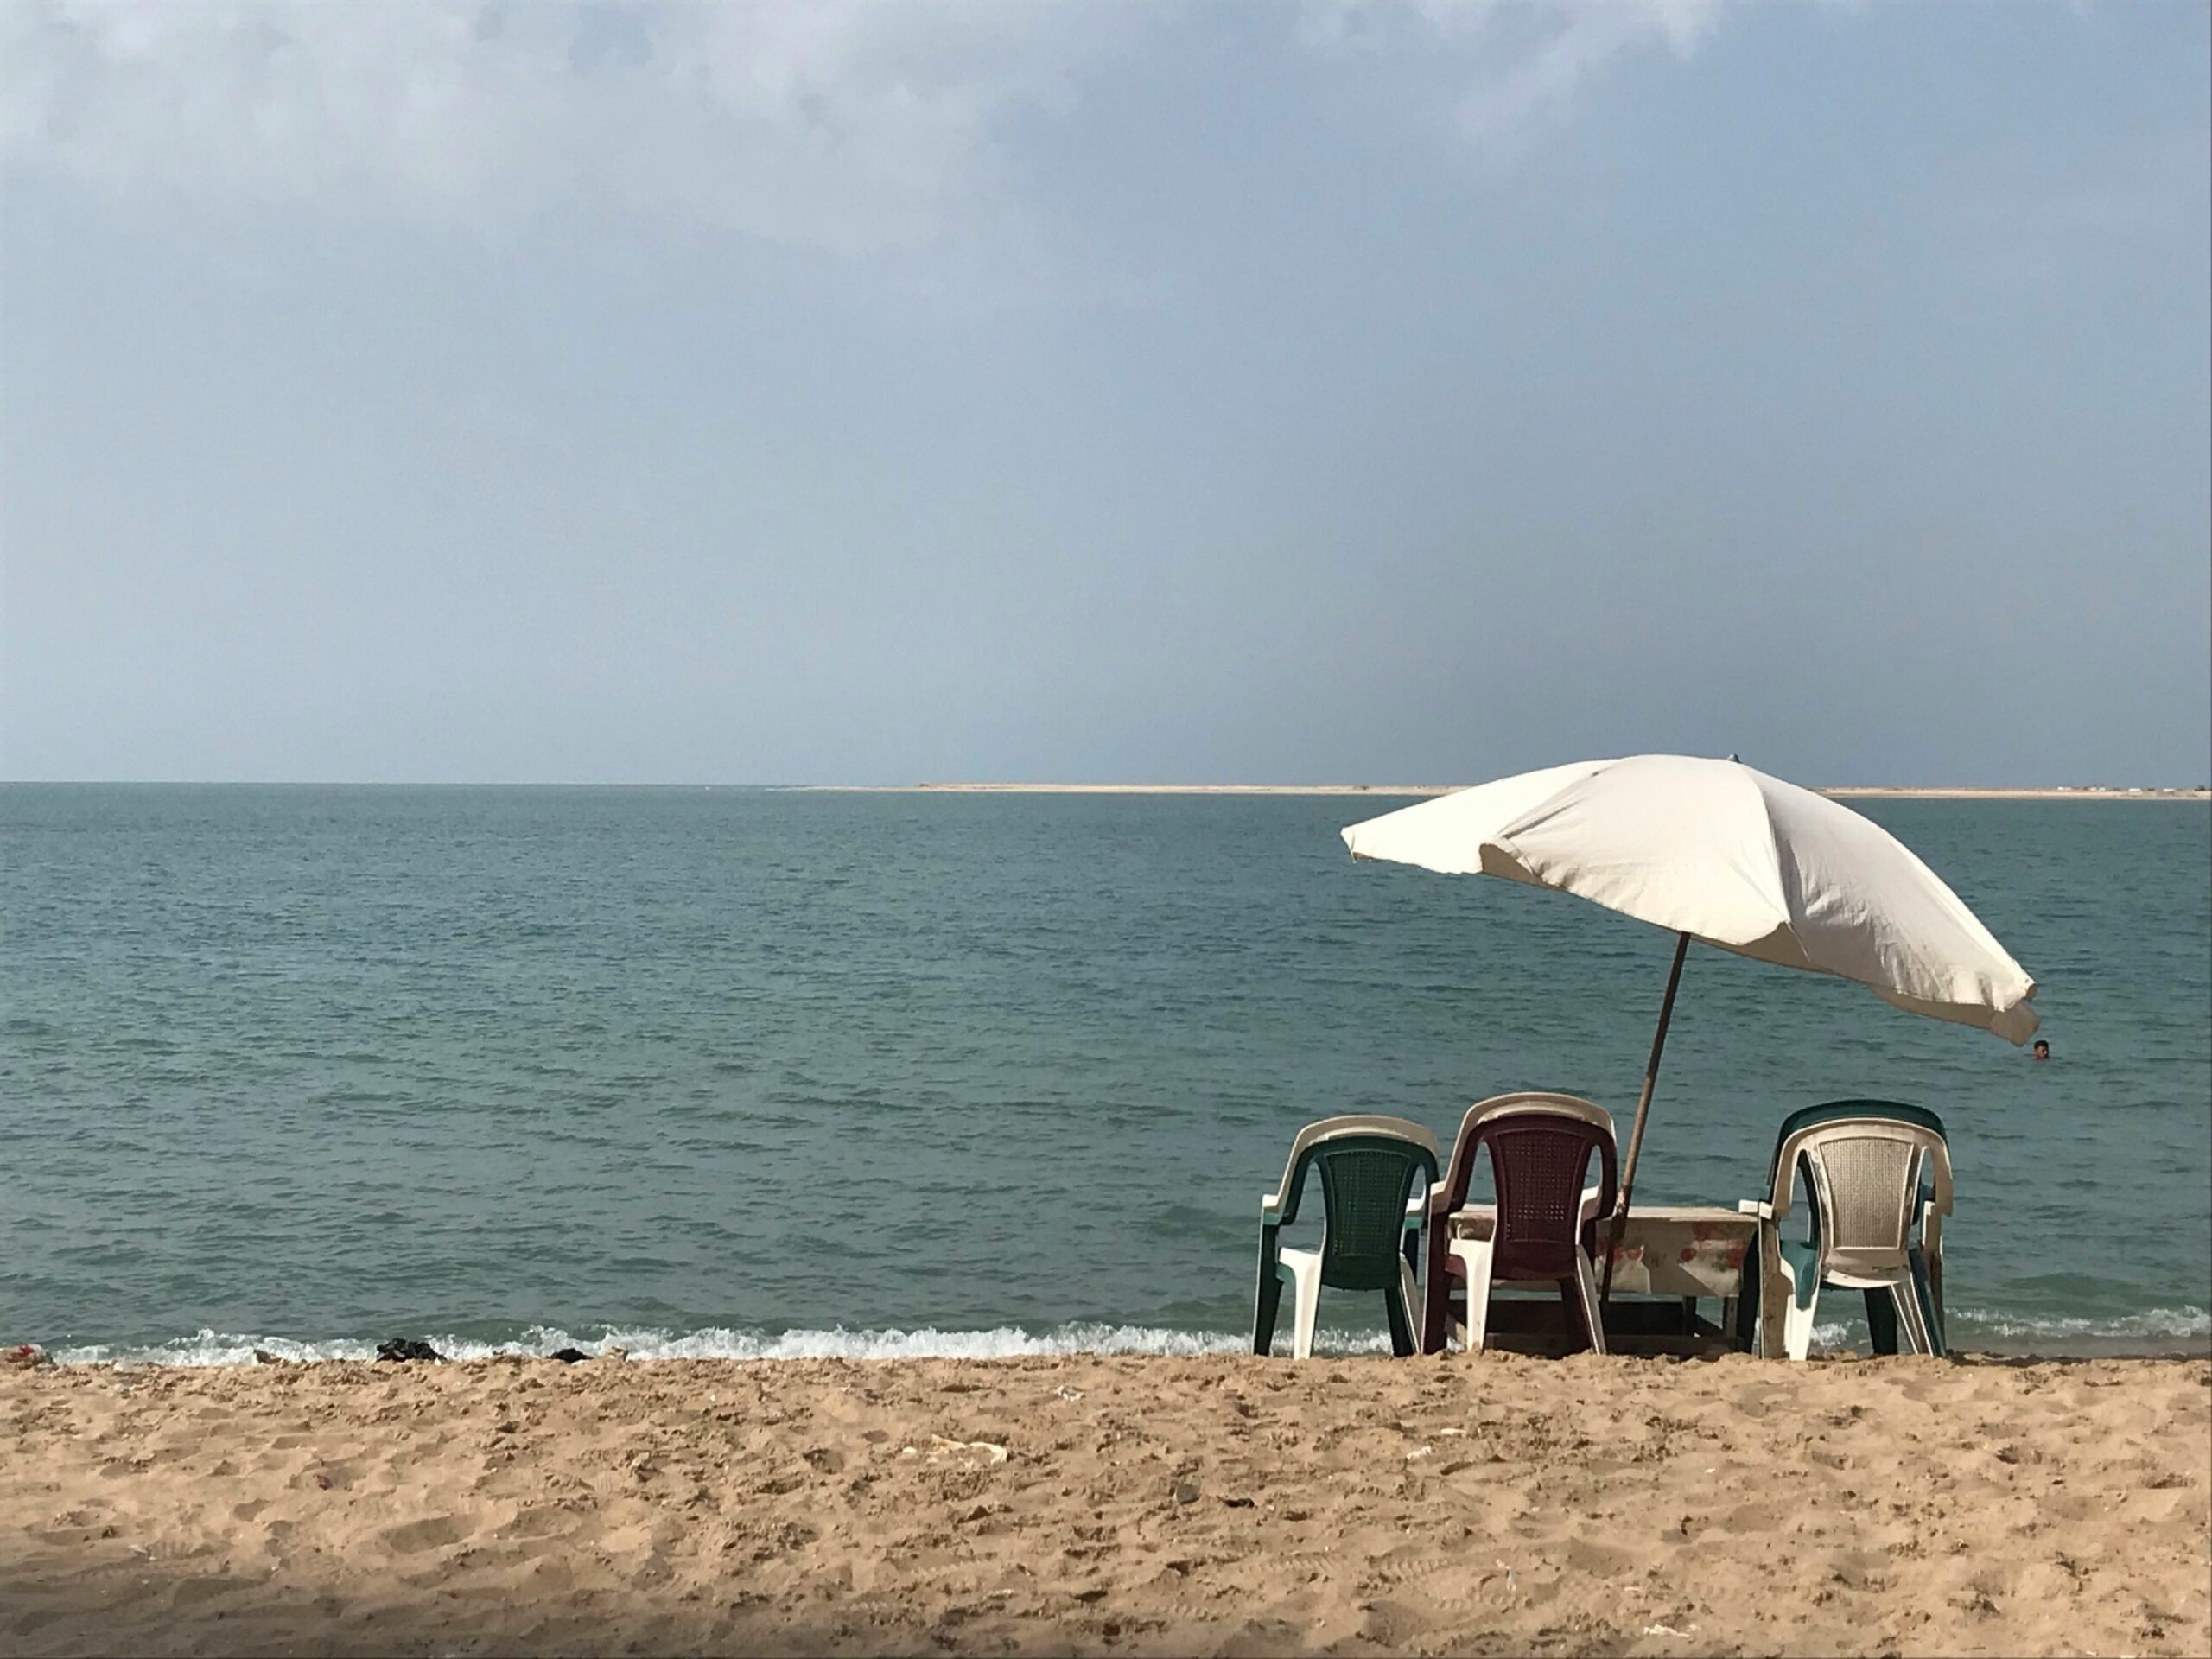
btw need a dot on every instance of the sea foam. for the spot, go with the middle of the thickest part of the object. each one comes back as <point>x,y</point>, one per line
<point>208,1347</point>
<point>2153,1329</point>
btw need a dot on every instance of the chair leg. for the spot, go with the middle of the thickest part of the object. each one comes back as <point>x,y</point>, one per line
<point>1266,1300</point>
<point>1406,1312</point>
<point>1927,1295</point>
<point>1436,1296</point>
<point>1882,1322</point>
<point>1776,1298</point>
<point>1797,1322</point>
<point>1585,1286</point>
<point>1475,1253</point>
<point>1307,1290</point>
<point>1909,1310</point>
<point>1905,1297</point>
<point>1749,1305</point>
<point>1402,1340</point>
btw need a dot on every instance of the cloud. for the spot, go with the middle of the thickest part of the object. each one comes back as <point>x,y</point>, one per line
<point>1542,80</point>
<point>1522,63</point>
<point>851,125</point>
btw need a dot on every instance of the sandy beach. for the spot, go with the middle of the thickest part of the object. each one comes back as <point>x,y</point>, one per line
<point>1235,1506</point>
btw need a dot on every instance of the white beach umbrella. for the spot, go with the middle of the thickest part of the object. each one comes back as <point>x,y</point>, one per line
<point>1717,851</point>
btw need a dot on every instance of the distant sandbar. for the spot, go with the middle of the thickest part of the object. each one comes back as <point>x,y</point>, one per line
<point>1851,791</point>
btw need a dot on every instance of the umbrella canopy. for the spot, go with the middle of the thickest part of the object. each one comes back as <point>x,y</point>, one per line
<point>1717,851</point>
<point>1724,853</point>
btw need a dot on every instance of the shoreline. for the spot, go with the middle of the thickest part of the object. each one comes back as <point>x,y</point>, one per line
<point>2159,1334</point>
<point>1230,1505</point>
<point>1835,791</point>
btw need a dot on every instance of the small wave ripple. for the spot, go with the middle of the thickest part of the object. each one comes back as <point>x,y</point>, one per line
<point>2150,1324</point>
<point>2157,1330</point>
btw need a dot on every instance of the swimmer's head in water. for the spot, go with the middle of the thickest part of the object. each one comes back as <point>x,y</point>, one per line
<point>2042,1050</point>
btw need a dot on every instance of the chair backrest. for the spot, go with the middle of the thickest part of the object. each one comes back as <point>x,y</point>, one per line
<point>1868,1165</point>
<point>1369,1167</point>
<point>1540,1146</point>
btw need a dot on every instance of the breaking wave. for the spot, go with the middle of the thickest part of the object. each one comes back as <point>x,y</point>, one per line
<point>2154,1330</point>
<point>219,1348</point>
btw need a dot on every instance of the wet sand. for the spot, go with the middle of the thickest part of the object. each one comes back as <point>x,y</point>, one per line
<point>1107,1506</point>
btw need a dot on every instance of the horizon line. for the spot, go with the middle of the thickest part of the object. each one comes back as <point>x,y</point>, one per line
<point>1931,791</point>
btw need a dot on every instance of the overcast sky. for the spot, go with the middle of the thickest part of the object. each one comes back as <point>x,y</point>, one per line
<point>1338,392</point>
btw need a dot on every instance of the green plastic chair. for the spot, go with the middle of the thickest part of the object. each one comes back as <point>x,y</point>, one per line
<point>1875,1173</point>
<point>1370,1234</point>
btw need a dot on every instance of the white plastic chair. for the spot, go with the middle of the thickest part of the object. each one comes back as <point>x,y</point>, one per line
<point>1875,1169</point>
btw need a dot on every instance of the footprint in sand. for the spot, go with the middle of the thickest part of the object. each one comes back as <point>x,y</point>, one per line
<point>1586,1559</point>
<point>1262,1639</point>
<point>1753,1402</point>
<point>546,1521</point>
<point>1442,1580</point>
<point>323,1478</point>
<point>1750,1517</point>
<point>77,1535</point>
<point>192,1592</point>
<point>1392,1624</point>
<point>433,1532</point>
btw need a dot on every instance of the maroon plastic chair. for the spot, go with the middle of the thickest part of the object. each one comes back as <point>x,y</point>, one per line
<point>1544,1230</point>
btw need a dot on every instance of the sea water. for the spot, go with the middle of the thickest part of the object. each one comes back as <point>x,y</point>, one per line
<point>762,1073</point>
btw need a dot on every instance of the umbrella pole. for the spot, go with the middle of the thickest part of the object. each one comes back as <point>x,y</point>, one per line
<point>1642,1111</point>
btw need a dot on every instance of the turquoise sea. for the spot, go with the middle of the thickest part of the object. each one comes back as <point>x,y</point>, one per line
<point>751,1071</point>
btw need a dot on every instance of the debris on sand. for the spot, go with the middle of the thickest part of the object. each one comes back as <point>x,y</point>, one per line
<point>942,1447</point>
